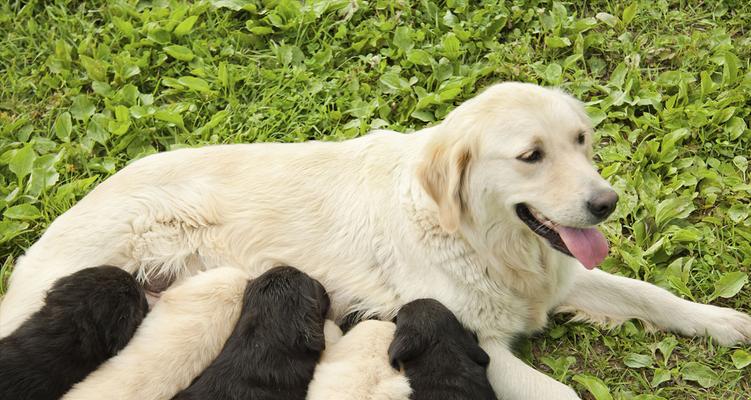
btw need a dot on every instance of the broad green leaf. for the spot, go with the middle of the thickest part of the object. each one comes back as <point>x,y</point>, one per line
<point>178,52</point>
<point>594,385</point>
<point>23,212</point>
<point>184,27</point>
<point>667,210</point>
<point>96,130</point>
<point>393,81</point>
<point>452,47</point>
<point>403,39</point>
<point>261,30</point>
<point>44,174</point>
<point>741,163</point>
<point>557,42</point>
<point>22,161</point>
<point>63,126</point>
<point>169,116</point>
<point>666,347</point>
<point>741,359</point>
<point>609,19</point>
<point>637,360</point>
<point>648,397</point>
<point>10,229</point>
<point>124,26</point>
<point>82,109</point>
<point>660,376</point>
<point>234,5</point>
<point>629,13</point>
<point>194,83</point>
<point>419,57</point>
<point>160,35</point>
<point>729,284</point>
<point>738,212</point>
<point>700,373</point>
<point>553,73</point>
<point>96,70</point>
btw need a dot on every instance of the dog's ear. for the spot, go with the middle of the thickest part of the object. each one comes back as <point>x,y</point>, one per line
<point>407,344</point>
<point>442,174</point>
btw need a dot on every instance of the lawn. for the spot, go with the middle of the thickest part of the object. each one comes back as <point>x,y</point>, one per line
<point>86,87</point>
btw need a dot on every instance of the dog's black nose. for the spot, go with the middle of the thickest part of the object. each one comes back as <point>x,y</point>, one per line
<point>603,203</point>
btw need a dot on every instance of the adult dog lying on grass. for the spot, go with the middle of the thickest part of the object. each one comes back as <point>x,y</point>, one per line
<point>491,212</point>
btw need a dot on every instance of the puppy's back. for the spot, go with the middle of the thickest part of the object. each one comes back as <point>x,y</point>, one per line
<point>182,334</point>
<point>357,367</point>
<point>87,317</point>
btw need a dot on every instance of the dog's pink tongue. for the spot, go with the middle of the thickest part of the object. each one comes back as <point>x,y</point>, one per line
<point>587,245</point>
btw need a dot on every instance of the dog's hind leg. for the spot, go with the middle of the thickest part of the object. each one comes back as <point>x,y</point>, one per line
<point>606,299</point>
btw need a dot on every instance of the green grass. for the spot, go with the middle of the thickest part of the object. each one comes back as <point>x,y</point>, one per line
<point>86,87</point>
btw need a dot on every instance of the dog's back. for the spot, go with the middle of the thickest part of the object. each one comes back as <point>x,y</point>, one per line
<point>441,359</point>
<point>275,345</point>
<point>357,367</point>
<point>87,318</point>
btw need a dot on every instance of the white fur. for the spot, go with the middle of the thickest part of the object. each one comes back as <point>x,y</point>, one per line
<point>179,338</point>
<point>357,367</point>
<point>380,220</point>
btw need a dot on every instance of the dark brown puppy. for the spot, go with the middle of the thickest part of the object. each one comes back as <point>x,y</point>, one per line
<point>87,318</point>
<point>441,359</point>
<point>275,346</point>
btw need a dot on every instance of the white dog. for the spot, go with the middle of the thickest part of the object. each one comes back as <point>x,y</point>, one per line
<point>490,212</point>
<point>179,338</point>
<point>357,367</point>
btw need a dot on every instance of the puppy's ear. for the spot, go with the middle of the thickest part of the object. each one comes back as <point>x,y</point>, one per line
<point>442,174</point>
<point>407,344</point>
<point>313,338</point>
<point>478,355</point>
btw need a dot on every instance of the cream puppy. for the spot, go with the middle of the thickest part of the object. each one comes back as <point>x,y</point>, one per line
<point>492,212</point>
<point>357,367</point>
<point>180,337</point>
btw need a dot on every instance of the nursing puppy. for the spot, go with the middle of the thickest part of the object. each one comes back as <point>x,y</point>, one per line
<point>441,359</point>
<point>273,351</point>
<point>178,339</point>
<point>87,318</point>
<point>357,367</point>
<point>492,211</point>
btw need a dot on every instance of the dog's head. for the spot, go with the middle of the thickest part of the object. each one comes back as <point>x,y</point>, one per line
<point>520,153</point>
<point>104,305</point>
<point>426,324</point>
<point>289,307</point>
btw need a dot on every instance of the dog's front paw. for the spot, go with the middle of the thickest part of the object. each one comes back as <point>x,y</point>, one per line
<point>725,325</point>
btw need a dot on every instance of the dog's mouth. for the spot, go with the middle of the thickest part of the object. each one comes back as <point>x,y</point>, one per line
<point>588,245</point>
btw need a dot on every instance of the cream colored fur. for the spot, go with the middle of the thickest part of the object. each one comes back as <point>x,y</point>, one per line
<point>380,220</point>
<point>357,367</point>
<point>179,338</point>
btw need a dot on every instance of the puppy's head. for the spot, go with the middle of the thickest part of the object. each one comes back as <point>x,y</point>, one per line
<point>426,324</point>
<point>288,306</point>
<point>103,305</point>
<point>521,153</point>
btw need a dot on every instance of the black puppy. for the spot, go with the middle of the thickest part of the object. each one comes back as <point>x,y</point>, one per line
<point>275,346</point>
<point>87,317</point>
<point>441,358</point>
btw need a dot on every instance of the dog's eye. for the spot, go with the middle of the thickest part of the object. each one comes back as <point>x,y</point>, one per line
<point>581,138</point>
<point>531,156</point>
